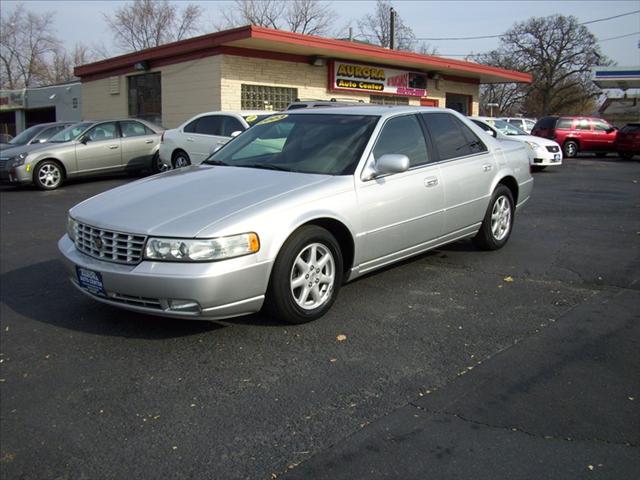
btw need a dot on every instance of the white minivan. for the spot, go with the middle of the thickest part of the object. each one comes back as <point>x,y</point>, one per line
<point>195,139</point>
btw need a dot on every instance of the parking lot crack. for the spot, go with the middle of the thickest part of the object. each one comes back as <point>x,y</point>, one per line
<point>515,429</point>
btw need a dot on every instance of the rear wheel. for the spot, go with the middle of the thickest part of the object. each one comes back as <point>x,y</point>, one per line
<point>306,276</point>
<point>181,159</point>
<point>498,221</point>
<point>156,164</point>
<point>48,175</point>
<point>570,148</point>
<point>625,155</point>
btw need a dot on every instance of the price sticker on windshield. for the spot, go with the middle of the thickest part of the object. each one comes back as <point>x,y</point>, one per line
<point>272,118</point>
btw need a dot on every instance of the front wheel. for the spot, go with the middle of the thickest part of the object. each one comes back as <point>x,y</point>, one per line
<point>625,155</point>
<point>48,175</point>
<point>498,221</point>
<point>306,276</point>
<point>157,165</point>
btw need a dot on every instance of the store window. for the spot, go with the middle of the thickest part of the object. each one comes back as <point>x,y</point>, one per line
<point>459,103</point>
<point>388,100</point>
<point>264,97</point>
<point>145,97</point>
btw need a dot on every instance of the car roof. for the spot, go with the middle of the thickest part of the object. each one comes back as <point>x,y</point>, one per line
<point>366,109</point>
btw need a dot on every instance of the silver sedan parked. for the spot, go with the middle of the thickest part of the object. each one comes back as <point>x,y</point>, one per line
<point>86,148</point>
<point>285,213</point>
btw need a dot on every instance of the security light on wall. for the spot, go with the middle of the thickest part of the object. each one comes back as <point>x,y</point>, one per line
<point>141,66</point>
<point>52,96</point>
<point>318,61</point>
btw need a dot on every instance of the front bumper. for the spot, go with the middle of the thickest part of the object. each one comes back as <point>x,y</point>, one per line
<point>543,158</point>
<point>15,175</point>
<point>223,289</point>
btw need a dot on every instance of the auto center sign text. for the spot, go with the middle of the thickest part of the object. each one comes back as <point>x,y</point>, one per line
<point>354,76</point>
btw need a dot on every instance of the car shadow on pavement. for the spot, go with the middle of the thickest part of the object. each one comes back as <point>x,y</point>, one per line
<point>43,292</point>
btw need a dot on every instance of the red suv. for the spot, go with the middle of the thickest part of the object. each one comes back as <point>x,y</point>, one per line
<point>628,141</point>
<point>578,134</point>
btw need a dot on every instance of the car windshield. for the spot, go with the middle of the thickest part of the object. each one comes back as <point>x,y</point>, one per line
<point>315,143</point>
<point>26,136</point>
<point>507,128</point>
<point>70,133</point>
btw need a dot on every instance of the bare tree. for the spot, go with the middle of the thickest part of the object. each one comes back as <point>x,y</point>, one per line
<point>149,23</point>
<point>309,16</point>
<point>509,97</point>
<point>60,66</point>
<point>376,29</point>
<point>559,53</point>
<point>26,40</point>
<point>301,16</point>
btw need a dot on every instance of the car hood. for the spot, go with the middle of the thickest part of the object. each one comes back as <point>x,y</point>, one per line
<point>18,149</point>
<point>532,138</point>
<point>183,202</point>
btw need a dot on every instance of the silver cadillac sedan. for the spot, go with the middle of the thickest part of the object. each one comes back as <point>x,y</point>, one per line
<point>84,149</point>
<point>281,216</point>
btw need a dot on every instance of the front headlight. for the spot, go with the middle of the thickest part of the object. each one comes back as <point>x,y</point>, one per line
<point>72,226</point>
<point>201,250</point>
<point>533,145</point>
<point>19,159</point>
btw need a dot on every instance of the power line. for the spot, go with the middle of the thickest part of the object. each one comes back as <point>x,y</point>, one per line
<point>498,36</point>
<point>619,36</point>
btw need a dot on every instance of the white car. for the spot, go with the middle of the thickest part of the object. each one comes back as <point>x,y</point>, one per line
<point>542,152</point>
<point>525,124</point>
<point>195,139</point>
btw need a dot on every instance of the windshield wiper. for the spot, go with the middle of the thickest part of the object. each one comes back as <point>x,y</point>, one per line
<point>215,162</point>
<point>266,166</point>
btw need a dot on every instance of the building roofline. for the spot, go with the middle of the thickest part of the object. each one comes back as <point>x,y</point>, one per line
<point>329,46</point>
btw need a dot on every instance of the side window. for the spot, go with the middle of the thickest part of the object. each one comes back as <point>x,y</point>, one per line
<point>565,123</point>
<point>403,135</point>
<point>474,143</point>
<point>132,129</point>
<point>191,126</point>
<point>447,136</point>
<point>230,125</point>
<point>601,125</point>
<point>104,131</point>
<point>583,124</point>
<point>209,125</point>
<point>529,124</point>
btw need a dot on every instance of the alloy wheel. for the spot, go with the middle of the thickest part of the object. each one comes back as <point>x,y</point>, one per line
<point>501,218</point>
<point>312,276</point>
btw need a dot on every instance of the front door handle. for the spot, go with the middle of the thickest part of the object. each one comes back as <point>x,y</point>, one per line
<point>431,181</point>
<point>487,167</point>
<point>189,139</point>
<point>148,141</point>
<point>113,147</point>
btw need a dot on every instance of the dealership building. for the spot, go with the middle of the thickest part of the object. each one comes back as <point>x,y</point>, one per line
<point>255,68</point>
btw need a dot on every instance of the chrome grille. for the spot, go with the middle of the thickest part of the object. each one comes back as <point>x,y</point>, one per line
<point>109,246</point>
<point>3,161</point>
<point>553,149</point>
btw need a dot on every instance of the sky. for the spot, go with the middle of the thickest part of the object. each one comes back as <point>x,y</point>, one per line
<point>83,22</point>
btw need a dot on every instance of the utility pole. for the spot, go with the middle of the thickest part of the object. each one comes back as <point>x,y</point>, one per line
<point>392,28</point>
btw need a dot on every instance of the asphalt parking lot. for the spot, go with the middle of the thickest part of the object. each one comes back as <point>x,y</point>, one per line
<point>519,363</point>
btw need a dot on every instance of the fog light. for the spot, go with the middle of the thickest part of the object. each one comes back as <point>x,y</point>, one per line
<point>184,305</point>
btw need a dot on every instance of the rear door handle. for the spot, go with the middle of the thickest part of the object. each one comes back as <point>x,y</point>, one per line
<point>148,141</point>
<point>487,167</point>
<point>113,147</point>
<point>431,181</point>
<point>189,139</point>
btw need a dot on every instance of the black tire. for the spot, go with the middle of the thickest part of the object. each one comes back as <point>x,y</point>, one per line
<point>625,155</point>
<point>485,239</point>
<point>538,168</point>
<point>156,164</point>
<point>180,159</point>
<point>570,148</point>
<point>48,175</point>
<point>280,302</point>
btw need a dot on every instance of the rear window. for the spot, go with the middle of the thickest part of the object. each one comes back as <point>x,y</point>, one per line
<point>546,122</point>
<point>565,123</point>
<point>631,128</point>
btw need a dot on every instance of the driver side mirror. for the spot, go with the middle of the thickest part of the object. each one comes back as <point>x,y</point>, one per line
<point>84,140</point>
<point>611,129</point>
<point>387,164</point>
<point>236,133</point>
